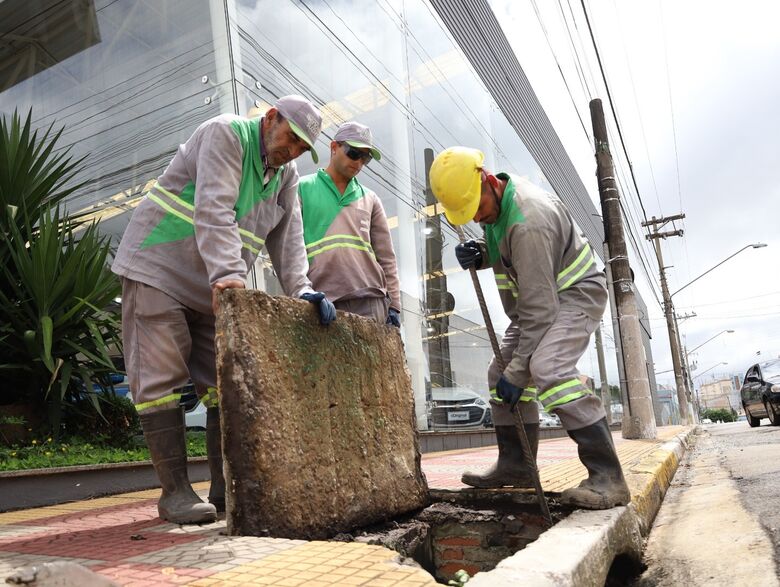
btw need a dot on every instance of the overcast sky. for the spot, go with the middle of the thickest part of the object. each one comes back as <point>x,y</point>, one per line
<point>703,74</point>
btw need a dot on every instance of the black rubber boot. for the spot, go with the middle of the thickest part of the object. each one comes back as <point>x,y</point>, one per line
<point>605,486</point>
<point>214,451</point>
<point>164,434</point>
<point>510,470</point>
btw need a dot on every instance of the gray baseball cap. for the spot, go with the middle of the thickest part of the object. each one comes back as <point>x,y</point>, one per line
<point>359,136</point>
<point>304,119</point>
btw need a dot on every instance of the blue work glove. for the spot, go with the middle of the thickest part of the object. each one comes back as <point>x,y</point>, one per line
<point>509,393</point>
<point>326,307</point>
<point>393,318</point>
<point>469,254</point>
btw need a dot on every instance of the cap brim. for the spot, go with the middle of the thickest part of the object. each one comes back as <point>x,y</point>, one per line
<point>464,215</point>
<point>302,135</point>
<point>374,151</point>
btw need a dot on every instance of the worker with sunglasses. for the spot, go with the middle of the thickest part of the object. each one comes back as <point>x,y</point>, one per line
<point>348,243</point>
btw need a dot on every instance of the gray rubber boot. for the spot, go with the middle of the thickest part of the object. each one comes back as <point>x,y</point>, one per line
<point>510,470</point>
<point>214,451</point>
<point>605,486</point>
<point>164,434</point>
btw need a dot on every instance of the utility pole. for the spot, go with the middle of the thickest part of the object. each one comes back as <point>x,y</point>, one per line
<point>625,402</point>
<point>638,416</point>
<point>606,399</point>
<point>439,302</point>
<point>671,322</point>
<point>686,367</point>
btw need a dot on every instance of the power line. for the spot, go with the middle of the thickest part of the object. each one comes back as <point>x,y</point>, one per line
<point>560,70</point>
<point>671,104</point>
<point>612,108</point>
<point>639,112</point>
<point>773,293</point>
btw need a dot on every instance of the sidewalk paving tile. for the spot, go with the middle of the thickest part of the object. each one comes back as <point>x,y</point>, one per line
<point>122,538</point>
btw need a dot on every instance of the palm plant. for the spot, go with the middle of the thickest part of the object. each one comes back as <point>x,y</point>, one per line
<point>55,283</point>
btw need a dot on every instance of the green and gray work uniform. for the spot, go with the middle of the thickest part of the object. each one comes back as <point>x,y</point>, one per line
<point>349,247</point>
<point>205,220</point>
<point>554,294</point>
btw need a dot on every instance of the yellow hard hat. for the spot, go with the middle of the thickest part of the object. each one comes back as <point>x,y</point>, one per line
<point>456,181</point>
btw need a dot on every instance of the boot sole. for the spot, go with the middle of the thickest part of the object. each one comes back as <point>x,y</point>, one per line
<point>205,517</point>
<point>594,503</point>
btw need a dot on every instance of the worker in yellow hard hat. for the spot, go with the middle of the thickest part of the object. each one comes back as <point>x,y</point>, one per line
<point>554,295</point>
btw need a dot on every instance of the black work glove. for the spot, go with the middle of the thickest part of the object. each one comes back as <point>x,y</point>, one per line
<point>393,318</point>
<point>469,255</point>
<point>325,306</point>
<point>508,392</point>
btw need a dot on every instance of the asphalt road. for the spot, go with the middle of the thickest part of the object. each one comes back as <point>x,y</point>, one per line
<point>720,521</point>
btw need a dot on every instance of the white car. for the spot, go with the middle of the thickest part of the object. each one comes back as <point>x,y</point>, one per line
<point>548,420</point>
<point>194,410</point>
<point>458,407</point>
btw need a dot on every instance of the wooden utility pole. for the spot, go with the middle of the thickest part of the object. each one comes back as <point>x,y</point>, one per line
<point>671,323</point>
<point>606,398</point>
<point>686,367</point>
<point>638,416</point>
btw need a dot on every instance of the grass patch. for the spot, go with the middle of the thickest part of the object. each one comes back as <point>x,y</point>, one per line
<point>47,452</point>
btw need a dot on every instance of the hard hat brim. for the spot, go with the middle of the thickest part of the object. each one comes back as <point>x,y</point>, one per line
<point>463,215</point>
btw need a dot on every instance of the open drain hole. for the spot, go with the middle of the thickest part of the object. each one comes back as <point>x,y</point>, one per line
<point>624,570</point>
<point>471,531</point>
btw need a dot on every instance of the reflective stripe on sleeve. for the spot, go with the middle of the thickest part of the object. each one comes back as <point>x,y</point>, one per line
<point>183,210</point>
<point>569,276</point>
<point>504,282</point>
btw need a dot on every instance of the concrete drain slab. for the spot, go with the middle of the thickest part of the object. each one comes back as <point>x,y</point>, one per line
<point>318,422</point>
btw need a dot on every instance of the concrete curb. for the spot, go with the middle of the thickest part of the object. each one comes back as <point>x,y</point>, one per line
<point>33,488</point>
<point>580,550</point>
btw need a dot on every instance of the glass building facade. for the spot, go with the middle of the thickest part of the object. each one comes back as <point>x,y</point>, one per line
<point>131,79</point>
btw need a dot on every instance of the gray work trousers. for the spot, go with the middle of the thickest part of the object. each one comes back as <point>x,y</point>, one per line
<point>166,344</point>
<point>553,369</point>
<point>374,308</point>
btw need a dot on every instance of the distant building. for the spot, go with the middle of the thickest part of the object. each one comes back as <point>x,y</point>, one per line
<point>720,394</point>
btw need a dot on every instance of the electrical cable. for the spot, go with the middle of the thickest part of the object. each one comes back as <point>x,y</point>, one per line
<point>612,107</point>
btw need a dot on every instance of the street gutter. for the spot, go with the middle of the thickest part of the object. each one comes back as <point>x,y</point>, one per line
<point>580,550</point>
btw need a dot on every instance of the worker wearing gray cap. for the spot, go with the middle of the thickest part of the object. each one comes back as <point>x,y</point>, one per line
<point>229,190</point>
<point>348,243</point>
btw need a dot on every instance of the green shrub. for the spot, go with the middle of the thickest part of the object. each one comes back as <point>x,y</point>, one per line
<point>723,415</point>
<point>47,451</point>
<point>115,425</point>
<point>55,283</point>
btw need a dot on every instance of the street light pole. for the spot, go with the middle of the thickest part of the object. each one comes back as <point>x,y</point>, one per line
<point>754,246</point>
<point>693,350</point>
<point>671,322</point>
<point>688,377</point>
<point>711,368</point>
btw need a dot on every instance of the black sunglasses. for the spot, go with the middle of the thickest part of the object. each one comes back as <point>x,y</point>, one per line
<point>357,154</point>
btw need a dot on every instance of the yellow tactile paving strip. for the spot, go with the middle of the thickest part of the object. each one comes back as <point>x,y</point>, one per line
<point>564,474</point>
<point>324,563</point>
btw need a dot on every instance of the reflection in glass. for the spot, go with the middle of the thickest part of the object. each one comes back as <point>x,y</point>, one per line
<point>131,79</point>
